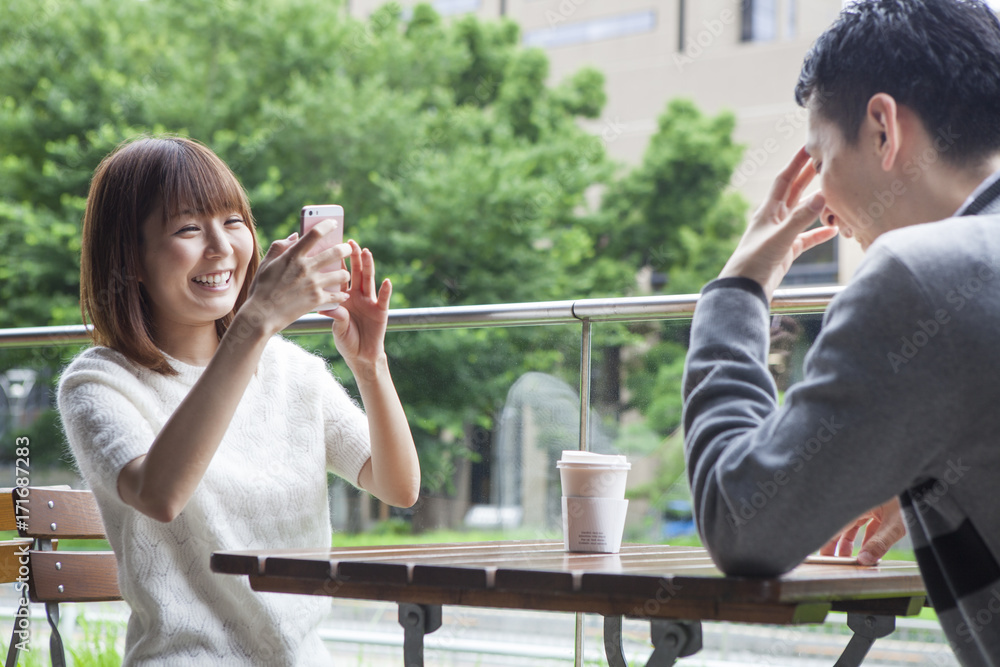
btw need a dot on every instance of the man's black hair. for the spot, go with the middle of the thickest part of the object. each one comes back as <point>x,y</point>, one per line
<point>940,58</point>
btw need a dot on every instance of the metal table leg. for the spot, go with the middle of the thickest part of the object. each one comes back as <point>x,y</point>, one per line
<point>417,620</point>
<point>671,640</point>
<point>867,628</point>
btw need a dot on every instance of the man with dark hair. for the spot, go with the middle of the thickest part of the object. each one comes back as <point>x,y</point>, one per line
<point>900,396</point>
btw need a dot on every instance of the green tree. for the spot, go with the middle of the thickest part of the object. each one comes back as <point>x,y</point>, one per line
<point>455,161</point>
<point>673,217</point>
<point>673,213</point>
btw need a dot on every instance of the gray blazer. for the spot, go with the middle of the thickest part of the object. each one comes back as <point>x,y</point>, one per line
<point>901,397</point>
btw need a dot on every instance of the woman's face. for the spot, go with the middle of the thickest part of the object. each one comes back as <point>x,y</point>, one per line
<point>193,266</point>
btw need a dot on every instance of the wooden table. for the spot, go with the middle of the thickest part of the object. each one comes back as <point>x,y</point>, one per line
<point>675,588</point>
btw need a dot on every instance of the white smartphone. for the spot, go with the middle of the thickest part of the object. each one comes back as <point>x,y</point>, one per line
<point>309,218</point>
<point>816,559</point>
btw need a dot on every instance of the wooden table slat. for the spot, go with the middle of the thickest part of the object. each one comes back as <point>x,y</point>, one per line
<point>654,581</point>
<point>546,601</point>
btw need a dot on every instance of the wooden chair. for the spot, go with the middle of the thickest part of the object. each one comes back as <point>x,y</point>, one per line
<point>54,576</point>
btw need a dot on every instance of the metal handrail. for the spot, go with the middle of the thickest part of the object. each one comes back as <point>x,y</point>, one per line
<point>623,309</point>
<point>582,311</point>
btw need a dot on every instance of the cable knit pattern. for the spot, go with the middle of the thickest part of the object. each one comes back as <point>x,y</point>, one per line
<point>266,487</point>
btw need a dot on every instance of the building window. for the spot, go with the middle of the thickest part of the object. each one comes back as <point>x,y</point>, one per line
<point>762,20</point>
<point>609,27</point>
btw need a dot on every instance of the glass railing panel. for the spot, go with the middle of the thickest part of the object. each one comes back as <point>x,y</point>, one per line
<point>475,398</point>
<point>492,409</point>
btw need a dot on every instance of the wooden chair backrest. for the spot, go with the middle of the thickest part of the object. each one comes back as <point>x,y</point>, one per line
<point>74,576</point>
<point>10,558</point>
<point>11,551</point>
<point>56,512</point>
<point>65,576</point>
<point>7,519</point>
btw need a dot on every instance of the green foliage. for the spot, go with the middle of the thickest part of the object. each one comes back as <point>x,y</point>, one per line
<point>654,382</point>
<point>673,212</point>
<point>455,160</point>
<point>674,215</point>
<point>97,647</point>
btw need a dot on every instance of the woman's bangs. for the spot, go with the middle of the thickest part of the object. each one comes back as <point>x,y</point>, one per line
<point>196,181</point>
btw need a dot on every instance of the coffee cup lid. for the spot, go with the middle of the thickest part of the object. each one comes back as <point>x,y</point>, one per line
<point>577,459</point>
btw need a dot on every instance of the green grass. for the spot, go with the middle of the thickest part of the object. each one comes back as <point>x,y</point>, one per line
<point>95,645</point>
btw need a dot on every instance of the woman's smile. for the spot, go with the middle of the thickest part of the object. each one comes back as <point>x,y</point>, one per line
<point>214,282</point>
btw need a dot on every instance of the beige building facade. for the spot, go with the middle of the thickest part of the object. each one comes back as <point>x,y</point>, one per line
<point>737,55</point>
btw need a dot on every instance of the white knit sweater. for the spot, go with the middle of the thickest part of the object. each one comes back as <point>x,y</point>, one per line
<point>266,487</point>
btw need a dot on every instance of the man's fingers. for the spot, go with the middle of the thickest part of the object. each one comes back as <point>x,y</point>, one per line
<point>784,182</point>
<point>880,536</point>
<point>804,178</point>
<point>800,219</point>
<point>806,213</point>
<point>813,238</point>
<point>874,548</point>
<point>830,548</point>
<point>846,546</point>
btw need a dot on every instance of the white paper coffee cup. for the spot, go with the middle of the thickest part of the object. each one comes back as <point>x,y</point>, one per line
<point>590,475</point>
<point>593,525</point>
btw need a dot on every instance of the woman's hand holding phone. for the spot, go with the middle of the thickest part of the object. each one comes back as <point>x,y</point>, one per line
<point>292,280</point>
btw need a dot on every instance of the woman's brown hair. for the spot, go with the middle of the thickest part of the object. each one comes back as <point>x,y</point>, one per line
<point>169,173</point>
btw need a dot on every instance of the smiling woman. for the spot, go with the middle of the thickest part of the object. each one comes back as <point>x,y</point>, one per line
<point>193,267</point>
<point>188,404</point>
<point>172,179</point>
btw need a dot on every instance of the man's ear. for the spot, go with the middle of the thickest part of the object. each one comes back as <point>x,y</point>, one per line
<point>883,128</point>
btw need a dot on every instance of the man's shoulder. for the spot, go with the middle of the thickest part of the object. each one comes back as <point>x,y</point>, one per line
<point>930,261</point>
<point>944,239</point>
